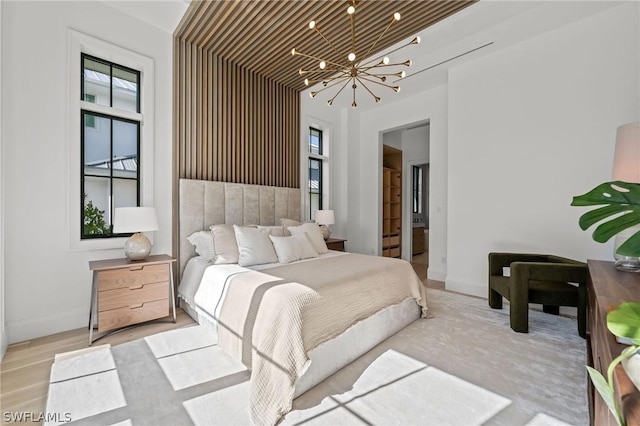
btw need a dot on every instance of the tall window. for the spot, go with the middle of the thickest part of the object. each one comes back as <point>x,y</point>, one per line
<point>315,171</point>
<point>110,143</point>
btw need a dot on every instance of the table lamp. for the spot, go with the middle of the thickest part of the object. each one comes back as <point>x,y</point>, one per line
<point>626,168</point>
<point>136,220</point>
<point>324,218</point>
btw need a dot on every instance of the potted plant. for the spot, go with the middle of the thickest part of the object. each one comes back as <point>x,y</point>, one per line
<point>619,211</point>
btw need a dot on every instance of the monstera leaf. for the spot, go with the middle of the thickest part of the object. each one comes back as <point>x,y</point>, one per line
<point>625,321</point>
<point>621,210</point>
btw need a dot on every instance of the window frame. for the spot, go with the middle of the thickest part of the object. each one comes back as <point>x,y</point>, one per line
<point>79,43</point>
<point>325,161</point>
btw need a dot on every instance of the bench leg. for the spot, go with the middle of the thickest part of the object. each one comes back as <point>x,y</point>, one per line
<point>519,317</point>
<point>495,299</point>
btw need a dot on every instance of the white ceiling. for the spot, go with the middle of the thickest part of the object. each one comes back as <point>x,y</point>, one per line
<point>164,14</point>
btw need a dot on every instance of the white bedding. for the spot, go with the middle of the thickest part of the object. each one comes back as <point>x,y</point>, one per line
<point>201,276</point>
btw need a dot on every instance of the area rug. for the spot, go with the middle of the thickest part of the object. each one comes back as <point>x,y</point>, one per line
<point>464,366</point>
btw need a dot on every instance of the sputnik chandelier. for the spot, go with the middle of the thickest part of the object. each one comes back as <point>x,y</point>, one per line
<point>355,71</point>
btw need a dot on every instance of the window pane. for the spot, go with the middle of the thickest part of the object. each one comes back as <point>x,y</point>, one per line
<point>125,193</point>
<point>315,141</point>
<point>125,149</point>
<point>97,144</point>
<point>125,89</point>
<point>315,186</point>
<point>96,217</point>
<point>97,81</point>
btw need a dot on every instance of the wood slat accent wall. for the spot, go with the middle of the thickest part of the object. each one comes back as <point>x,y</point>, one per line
<point>233,124</point>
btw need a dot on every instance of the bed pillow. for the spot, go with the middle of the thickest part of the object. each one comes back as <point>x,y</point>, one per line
<point>203,242</point>
<point>224,244</point>
<point>295,247</point>
<point>277,231</point>
<point>254,246</point>
<point>286,223</point>
<point>314,233</point>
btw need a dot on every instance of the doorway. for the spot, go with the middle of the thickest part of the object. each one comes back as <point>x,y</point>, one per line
<point>420,218</point>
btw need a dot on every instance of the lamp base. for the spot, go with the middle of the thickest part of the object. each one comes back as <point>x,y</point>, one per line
<point>137,247</point>
<point>628,264</point>
<point>325,231</point>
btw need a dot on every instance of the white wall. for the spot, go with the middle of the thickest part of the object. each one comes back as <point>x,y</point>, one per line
<point>529,127</point>
<point>47,283</point>
<point>3,329</point>
<point>513,136</point>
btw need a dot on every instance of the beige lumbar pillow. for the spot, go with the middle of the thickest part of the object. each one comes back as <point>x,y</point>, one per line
<point>314,233</point>
<point>286,223</point>
<point>295,247</point>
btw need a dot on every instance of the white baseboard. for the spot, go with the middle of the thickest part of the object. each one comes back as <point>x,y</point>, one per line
<point>20,331</point>
<point>460,286</point>
<point>436,274</point>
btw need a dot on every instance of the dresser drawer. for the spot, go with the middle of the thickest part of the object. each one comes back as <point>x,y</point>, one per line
<point>127,296</point>
<point>133,276</point>
<point>133,314</point>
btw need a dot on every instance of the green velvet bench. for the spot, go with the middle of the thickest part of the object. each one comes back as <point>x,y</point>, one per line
<point>537,278</point>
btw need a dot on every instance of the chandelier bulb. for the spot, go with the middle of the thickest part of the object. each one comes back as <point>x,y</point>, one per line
<point>396,88</point>
<point>416,40</point>
<point>396,16</point>
<point>407,63</point>
<point>324,83</point>
<point>351,10</point>
<point>323,65</point>
<point>312,25</point>
<point>293,51</point>
<point>330,102</point>
<point>402,74</point>
<point>313,94</point>
<point>354,104</point>
<point>352,56</point>
<point>306,81</point>
<point>383,79</point>
<point>385,60</point>
<point>377,99</point>
<point>301,71</point>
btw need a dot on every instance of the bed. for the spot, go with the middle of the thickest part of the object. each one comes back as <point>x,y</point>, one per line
<point>292,324</point>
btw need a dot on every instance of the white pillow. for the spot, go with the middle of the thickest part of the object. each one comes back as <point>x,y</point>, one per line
<point>277,231</point>
<point>314,233</point>
<point>295,247</point>
<point>254,246</point>
<point>224,243</point>
<point>203,242</point>
<point>286,223</point>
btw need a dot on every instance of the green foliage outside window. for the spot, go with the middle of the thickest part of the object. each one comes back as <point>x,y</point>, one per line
<point>93,221</point>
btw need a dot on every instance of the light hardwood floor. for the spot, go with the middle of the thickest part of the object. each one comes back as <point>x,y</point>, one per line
<point>25,368</point>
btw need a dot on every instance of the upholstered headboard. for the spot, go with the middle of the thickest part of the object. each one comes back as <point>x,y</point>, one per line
<point>204,203</point>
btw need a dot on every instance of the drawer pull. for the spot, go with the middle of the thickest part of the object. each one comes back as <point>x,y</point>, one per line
<point>138,287</point>
<point>137,306</point>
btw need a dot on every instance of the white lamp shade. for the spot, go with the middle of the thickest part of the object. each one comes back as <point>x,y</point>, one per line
<point>325,217</point>
<point>626,160</point>
<point>135,219</point>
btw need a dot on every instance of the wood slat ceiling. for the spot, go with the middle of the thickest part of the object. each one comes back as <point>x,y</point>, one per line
<point>259,34</point>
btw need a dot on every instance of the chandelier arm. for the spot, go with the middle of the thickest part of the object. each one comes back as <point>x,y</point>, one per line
<point>381,84</point>
<point>389,52</point>
<point>353,31</point>
<point>297,52</point>
<point>380,36</point>
<point>334,84</point>
<point>405,63</point>
<point>338,92</point>
<point>328,42</point>
<point>327,80</point>
<point>377,99</point>
<point>353,103</point>
<point>378,75</point>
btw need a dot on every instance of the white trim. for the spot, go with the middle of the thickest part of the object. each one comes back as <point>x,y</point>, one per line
<point>83,43</point>
<point>327,141</point>
<point>114,112</point>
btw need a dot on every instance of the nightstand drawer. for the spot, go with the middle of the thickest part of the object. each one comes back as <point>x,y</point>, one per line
<point>124,297</point>
<point>133,314</point>
<point>133,276</point>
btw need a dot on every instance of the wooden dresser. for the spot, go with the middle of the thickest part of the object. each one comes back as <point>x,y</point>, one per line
<point>126,292</point>
<point>607,289</point>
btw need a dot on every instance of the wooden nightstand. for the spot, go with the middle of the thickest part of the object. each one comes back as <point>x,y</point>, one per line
<point>127,292</point>
<point>335,244</point>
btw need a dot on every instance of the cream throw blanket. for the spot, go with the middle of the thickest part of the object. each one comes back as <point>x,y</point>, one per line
<point>271,319</point>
